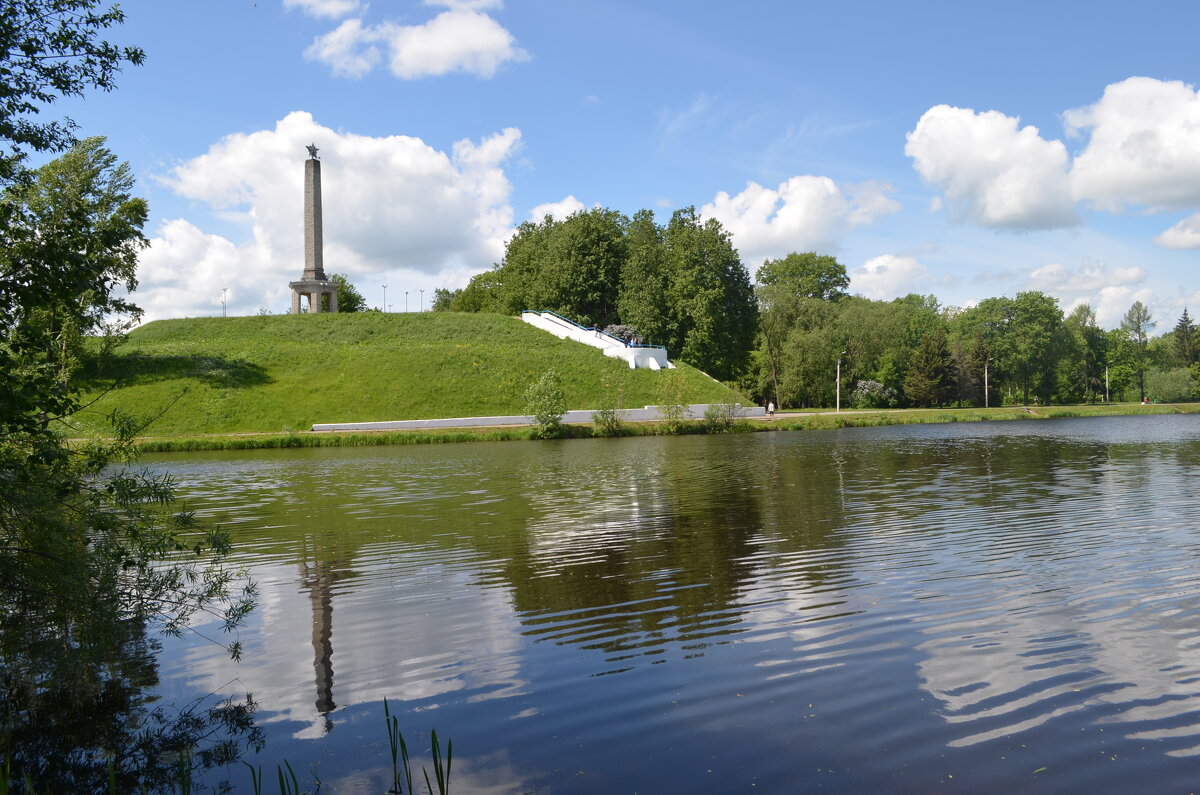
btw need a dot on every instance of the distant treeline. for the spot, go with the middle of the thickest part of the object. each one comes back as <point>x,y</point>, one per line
<point>684,286</point>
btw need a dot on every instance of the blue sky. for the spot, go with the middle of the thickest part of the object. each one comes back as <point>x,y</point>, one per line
<point>965,149</point>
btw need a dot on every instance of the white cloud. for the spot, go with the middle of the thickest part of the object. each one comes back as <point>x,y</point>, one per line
<point>465,5</point>
<point>462,39</point>
<point>558,210</point>
<point>1142,148</point>
<point>1185,234</point>
<point>888,276</point>
<point>1111,303</point>
<point>805,213</point>
<point>1109,291</point>
<point>325,8</point>
<point>349,49</point>
<point>1058,278</point>
<point>390,204</point>
<point>993,172</point>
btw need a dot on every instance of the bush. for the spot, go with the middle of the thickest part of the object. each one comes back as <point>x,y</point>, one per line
<point>872,395</point>
<point>1170,386</point>
<point>607,422</point>
<point>675,412</point>
<point>720,417</point>
<point>545,401</point>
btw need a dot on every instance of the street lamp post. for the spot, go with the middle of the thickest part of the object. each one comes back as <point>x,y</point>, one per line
<point>838,406</point>
<point>385,303</point>
<point>985,382</point>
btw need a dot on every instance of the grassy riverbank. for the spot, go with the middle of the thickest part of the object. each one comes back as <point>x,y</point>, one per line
<point>283,373</point>
<point>784,421</point>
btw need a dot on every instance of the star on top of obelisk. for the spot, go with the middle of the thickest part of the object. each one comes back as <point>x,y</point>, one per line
<point>312,150</point>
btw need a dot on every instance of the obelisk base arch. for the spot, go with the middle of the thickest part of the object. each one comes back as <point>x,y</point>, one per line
<point>314,290</point>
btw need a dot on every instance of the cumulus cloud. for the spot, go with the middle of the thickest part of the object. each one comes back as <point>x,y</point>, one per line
<point>1110,291</point>
<point>460,39</point>
<point>1142,147</point>
<point>1058,278</point>
<point>558,210</point>
<point>325,8</point>
<point>888,276</point>
<point>805,213</point>
<point>391,204</point>
<point>992,171</point>
<point>1185,234</point>
<point>350,49</point>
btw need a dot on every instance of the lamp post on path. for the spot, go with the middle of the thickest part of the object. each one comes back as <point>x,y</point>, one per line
<point>985,382</point>
<point>838,405</point>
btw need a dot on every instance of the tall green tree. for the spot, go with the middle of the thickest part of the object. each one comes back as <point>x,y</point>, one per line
<point>1184,345</point>
<point>709,293</point>
<point>1081,367</point>
<point>92,552</point>
<point>809,275</point>
<point>643,302</point>
<point>1136,326</point>
<point>930,379</point>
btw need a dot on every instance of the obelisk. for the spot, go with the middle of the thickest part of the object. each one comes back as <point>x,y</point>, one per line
<point>313,283</point>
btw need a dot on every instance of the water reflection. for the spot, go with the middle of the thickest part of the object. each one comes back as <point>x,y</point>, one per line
<point>855,602</point>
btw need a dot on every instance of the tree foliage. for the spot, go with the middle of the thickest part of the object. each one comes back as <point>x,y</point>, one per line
<point>93,553</point>
<point>349,299</point>
<point>681,285</point>
<point>1136,326</point>
<point>808,275</point>
<point>51,50</point>
<point>546,402</point>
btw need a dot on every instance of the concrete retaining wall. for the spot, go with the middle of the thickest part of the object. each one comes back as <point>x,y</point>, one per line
<point>578,416</point>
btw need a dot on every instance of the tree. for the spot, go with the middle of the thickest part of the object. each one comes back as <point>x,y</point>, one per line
<point>1081,369</point>
<point>70,235</point>
<point>1184,345</point>
<point>929,380</point>
<point>92,553</point>
<point>809,274</point>
<point>50,50</point>
<point>714,316</point>
<point>1136,326</point>
<point>349,299</point>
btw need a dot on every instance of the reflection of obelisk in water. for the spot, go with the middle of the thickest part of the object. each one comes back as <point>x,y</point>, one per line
<point>317,580</point>
<point>313,283</point>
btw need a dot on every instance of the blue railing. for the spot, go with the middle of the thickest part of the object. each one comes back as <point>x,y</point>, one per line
<point>596,330</point>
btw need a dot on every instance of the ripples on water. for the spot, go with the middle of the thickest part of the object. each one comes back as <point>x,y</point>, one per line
<point>995,606</point>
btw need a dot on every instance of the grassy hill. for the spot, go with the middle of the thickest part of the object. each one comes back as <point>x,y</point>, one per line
<point>286,372</point>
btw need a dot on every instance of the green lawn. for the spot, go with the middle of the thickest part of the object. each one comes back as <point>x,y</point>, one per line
<point>286,372</point>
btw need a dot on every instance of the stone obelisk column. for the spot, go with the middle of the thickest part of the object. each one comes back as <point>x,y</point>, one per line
<point>313,283</point>
<point>314,257</point>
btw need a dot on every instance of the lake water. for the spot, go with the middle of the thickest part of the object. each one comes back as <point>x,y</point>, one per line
<point>978,607</point>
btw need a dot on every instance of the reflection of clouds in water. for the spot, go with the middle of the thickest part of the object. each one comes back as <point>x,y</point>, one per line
<point>1099,615</point>
<point>467,638</point>
<point>486,775</point>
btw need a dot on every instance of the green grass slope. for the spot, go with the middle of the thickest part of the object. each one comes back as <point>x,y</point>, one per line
<point>286,372</point>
